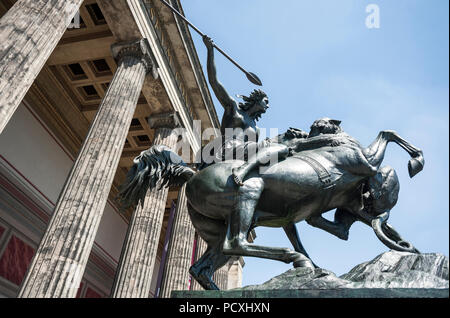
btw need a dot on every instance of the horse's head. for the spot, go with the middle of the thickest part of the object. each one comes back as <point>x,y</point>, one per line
<point>382,191</point>
<point>325,126</point>
<point>381,197</point>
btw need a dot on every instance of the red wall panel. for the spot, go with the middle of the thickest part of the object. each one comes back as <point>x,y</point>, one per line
<point>79,290</point>
<point>15,260</point>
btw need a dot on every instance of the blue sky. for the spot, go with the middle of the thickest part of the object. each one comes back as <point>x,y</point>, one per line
<point>318,58</point>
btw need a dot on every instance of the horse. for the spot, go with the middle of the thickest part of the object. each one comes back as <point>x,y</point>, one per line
<point>325,171</point>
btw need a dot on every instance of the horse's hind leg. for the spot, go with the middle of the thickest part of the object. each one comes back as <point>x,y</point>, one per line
<point>213,233</point>
<point>294,238</point>
<point>204,268</point>
<point>202,272</point>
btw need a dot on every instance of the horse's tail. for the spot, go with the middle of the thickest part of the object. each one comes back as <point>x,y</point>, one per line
<point>157,165</point>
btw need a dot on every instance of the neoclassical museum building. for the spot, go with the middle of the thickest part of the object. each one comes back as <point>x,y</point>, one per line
<point>80,98</point>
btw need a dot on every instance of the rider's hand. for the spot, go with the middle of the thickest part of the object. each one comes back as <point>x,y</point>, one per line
<point>208,42</point>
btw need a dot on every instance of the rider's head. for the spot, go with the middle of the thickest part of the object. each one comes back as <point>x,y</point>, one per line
<point>256,104</point>
<point>325,126</point>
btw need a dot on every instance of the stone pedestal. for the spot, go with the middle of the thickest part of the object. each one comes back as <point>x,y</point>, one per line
<point>179,257</point>
<point>59,263</point>
<point>136,264</point>
<point>389,275</point>
<point>29,32</point>
<point>317,293</point>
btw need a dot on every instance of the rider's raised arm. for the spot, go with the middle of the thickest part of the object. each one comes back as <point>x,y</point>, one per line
<point>224,98</point>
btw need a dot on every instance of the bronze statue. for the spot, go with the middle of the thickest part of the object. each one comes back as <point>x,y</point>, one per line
<point>316,172</point>
<point>325,171</point>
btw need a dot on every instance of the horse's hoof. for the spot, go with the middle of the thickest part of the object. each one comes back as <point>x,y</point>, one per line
<point>303,262</point>
<point>415,165</point>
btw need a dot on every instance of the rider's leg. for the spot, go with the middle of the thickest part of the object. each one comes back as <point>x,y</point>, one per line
<point>273,153</point>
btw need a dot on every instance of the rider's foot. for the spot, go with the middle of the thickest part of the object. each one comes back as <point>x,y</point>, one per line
<point>237,176</point>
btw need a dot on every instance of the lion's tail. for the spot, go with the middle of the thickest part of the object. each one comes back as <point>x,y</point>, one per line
<point>157,165</point>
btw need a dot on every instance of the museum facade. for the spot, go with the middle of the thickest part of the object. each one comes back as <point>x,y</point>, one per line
<point>80,98</point>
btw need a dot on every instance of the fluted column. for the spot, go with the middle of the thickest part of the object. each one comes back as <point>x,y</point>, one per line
<point>236,265</point>
<point>29,32</point>
<point>220,277</point>
<point>59,263</point>
<point>201,248</point>
<point>136,264</point>
<point>224,274</point>
<point>181,245</point>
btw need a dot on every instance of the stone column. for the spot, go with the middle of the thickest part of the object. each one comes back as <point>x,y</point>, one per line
<point>181,246</point>
<point>29,32</point>
<point>201,248</point>
<point>220,277</point>
<point>136,264</point>
<point>235,272</point>
<point>59,263</point>
<point>216,279</point>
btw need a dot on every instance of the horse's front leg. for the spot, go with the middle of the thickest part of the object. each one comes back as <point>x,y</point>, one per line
<point>416,163</point>
<point>240,222</point>
<point>375,152</point>
<point>241,216</point>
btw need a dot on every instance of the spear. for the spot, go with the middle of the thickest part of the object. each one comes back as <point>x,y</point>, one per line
<point>251,76</point>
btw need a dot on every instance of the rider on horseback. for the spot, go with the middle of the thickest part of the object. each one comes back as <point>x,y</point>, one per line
<point>241,119</point>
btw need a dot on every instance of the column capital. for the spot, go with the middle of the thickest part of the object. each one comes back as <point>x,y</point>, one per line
<point>139,49</point>
<point>165,120</point>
